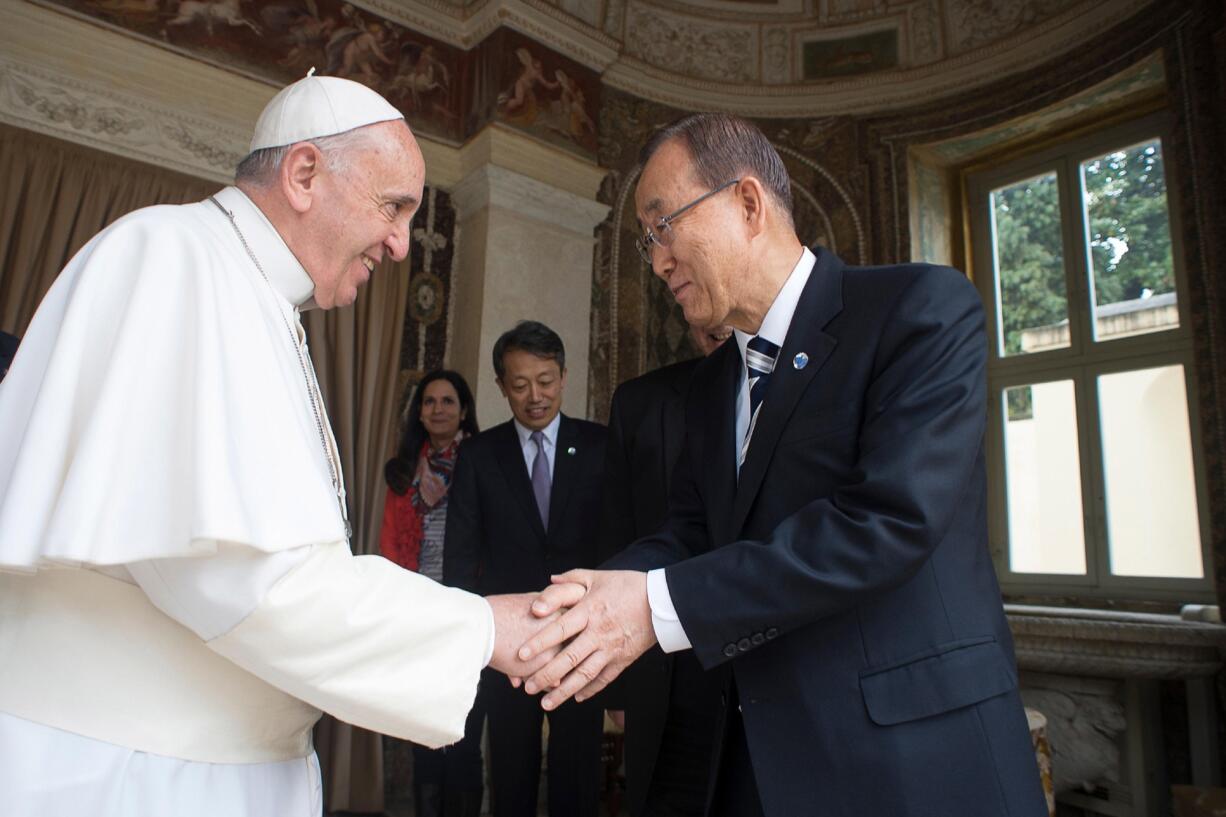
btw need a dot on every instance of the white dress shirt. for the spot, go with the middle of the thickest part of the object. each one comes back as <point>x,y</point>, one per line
<point>669,631</point>
<point>551,443</point>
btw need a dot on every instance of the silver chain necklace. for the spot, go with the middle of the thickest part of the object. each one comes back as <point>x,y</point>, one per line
<point>308,372</point>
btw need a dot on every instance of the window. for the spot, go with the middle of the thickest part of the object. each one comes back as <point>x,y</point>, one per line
<point>1095,475</point>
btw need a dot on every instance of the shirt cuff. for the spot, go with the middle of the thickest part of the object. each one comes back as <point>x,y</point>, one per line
<point>489,648</point>
<point>664,621</point>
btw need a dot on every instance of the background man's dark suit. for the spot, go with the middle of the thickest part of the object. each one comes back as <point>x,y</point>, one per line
<point>670,701</point>
<point>495,541</point>
<point>844,576</point>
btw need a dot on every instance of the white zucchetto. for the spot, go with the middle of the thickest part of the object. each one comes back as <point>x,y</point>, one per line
<point>314,107</point>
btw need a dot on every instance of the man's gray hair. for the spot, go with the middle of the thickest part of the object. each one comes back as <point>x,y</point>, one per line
<point>260,167</point>
<point>724,147</point>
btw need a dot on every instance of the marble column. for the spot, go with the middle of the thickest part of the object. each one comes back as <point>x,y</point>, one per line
<point>525,252</point>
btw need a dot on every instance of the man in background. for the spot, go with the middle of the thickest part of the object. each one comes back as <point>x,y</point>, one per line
<point>671,703</point>
<point>525,504</point>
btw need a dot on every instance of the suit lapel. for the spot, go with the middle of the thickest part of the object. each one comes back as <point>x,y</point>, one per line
<point>565,470</point>
<point>820,301</point>
<point>511,460</point>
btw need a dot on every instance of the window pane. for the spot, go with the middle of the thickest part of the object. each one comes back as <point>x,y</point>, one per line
<point>1129,241</point>
<point>1152,523</point>
<point>1029,256</point>
<point>1043,479</point>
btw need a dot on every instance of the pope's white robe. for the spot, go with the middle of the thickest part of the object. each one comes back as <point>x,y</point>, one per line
<point>178,599</point>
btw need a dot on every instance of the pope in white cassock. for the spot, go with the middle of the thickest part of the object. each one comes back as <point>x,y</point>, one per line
<point>178,600</point>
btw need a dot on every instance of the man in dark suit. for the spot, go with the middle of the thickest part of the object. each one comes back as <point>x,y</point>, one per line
<point>669,700</point>
<point>525,503</point>
<point>826,539</point>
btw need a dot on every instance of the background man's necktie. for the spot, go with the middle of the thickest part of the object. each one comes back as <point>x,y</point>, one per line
<point>760,356</point>
<point>541,479</point>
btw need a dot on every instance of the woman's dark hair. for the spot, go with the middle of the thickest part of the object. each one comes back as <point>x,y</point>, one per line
<point>400,469</point>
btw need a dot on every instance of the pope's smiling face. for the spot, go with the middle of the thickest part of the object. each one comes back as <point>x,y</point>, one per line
<point>366,203</point>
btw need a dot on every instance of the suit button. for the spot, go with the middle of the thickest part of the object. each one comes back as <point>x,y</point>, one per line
<point>743,645</point>
<point>771,633</point>
<point>730,650</point>
<point>758,639</point>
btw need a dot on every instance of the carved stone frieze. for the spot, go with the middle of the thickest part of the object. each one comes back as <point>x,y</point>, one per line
<point>614,18</point>
<point>1085,720</point>
<point>974,23</point>
<point>1114,645</point>
<point>925,32</point>
<point>58,106</point>
<point>776,51</point>
<point>64,107</point>
<point>214,155</point>
<point>696,49</point>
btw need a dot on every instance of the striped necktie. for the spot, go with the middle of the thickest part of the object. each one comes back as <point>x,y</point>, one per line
<point>760,355</point>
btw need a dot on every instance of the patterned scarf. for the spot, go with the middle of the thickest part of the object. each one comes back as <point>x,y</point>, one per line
<point>433,476</point>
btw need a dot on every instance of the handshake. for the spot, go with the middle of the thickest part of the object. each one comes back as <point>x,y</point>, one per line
<point>575,636</point>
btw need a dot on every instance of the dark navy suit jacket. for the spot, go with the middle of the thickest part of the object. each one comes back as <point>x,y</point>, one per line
<point>646,431</point>
<point>844,578</point>
<point>495,540</point>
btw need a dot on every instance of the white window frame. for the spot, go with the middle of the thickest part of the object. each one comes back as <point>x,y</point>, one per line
<point>1082,362</point>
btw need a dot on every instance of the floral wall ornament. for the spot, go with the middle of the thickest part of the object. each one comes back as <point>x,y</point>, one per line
<point>426,299</point>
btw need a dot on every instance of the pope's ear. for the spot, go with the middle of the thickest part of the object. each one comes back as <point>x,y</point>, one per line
<point>300,171</point>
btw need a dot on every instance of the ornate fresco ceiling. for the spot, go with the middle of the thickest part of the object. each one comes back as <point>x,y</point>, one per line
<point>786,57</point>
<point>768,58</point>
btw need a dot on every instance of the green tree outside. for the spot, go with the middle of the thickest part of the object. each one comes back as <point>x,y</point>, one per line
<point>1128,234</point>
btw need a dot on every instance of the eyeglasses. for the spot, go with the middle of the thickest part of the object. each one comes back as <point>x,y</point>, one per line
<point>662,235</point>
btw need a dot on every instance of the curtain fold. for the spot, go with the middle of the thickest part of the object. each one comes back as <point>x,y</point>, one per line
<point>55,196</point>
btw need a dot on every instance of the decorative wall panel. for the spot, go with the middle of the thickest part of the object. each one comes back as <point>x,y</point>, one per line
<point>426,341</point>
<point>692,48</point>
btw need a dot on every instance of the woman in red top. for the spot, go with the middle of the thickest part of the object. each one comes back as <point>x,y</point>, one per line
<point>441,414</point>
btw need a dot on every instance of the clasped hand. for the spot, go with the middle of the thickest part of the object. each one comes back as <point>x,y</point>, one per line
<point>596,623</point>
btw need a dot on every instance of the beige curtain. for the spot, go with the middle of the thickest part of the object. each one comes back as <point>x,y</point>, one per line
<point>356,352</point>
<point>54,196</point>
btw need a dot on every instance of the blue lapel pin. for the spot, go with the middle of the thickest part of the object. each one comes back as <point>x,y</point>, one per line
<point>800,361</point>
<point>571,451</point>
